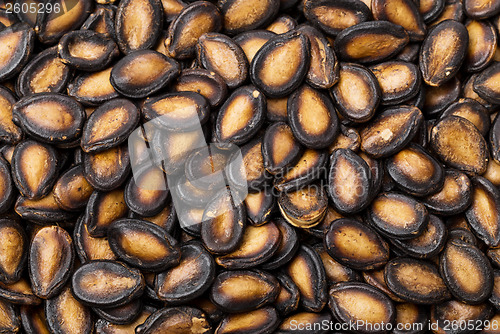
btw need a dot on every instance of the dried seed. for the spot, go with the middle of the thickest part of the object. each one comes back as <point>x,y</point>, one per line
<point>431,9</point>
<point>398,216</point>
<point>107,327</point>
<point>209,84</point>
<point>102,21</point>
<point>309,320</point>
<point>243,290</point>
<point>34,168</point>
<point>93,88</point>
<point>282,24</point>
<point>482,45</point>
<point>390,131</point>
<point>19,292</point>
<point>416,281</point>
<point>241,116</point>
<point>289,296</point>
<point>102,209</point>
<point>192,22</point>
<point>181,111</point>
<point>14,250</point>
<point>312,117</point>
<point>402,12</point>
<point>459,144</point>
<point>370,42</point>
<point>106,284</point>
<point>439,98</point>
<point>349,181</point>
<point>280,148</point>
<point>45,73</point>
<point>138,24</point>
<point>485,84</point>
<point>443,52</point>
<point>399,81</point>
<point>260,207</point>
<point>7,189</point>
<point>44,210</point>
<point>355,301</point>
<point>281,64</point>
<point>357,94</point>
<point>220,54</point>
<point>122,314</point>
<point>50,261</point>
<point>455,310</point>
<point>17,43</point>
<point>33,319</point>
<point>472,111</point>
<point>376,279</point>
<point>335,271</point>
<point>481,9</point>
<point>408,314</point>
<point>252,41</point>
<point>264,320</point>
<point>307,272</point>
<point>305,207</point>
<point>143,245</point>
<point>72,190</point>
<point>334,16</point>
<point>495,295</point>
<point>172,319</point>
<point>107,170</point>
<point>10,322</point>
<point>288,246</point>
<point>66,315</point>
<point>89,248</point>
<point>62,121</point>
<point>236,18</point>
<point>142,73</point>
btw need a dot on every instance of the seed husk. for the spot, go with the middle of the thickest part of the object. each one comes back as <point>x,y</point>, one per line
<point>7,188</point>
<point>191,23</point>
<point>281,64</point>
<point>457,311</point>
<point>481,9</point>
<point>102,209</point>
<point>376,279</point>
<point>309,320</point>
<point>280,149</point>
<point>312,117</point>
<point>138,24</point>
<point>209,84</point>
<point>45,73</point>
<point>471,110</point>
<point>431,9</point>
<point>107,327</point>
<point>357,94</point>
<point>92,88</point>
<point>398,216</point>
<point>263,320</point>
<point>289,296</point>
<point>190,278</point>
<point>485,84</point>
<point>402,12</point>
<point>89,248</point>
<point>282,24</point>
<point>305,207</point>
<point>9,132</point>
<point>307,272</point>
<point>482,45</point>
<point>288,246</point>
<point>102,20</point>
<point>43,211</point>
<point>34,168</point>
<point>33,319</point>
<point>260,207</point>
<point>416,281</point>
<point>14,251</point>
<point>72,190</point>
<point>236,18</point>
<point>143,245</point>
<point>122,314</point>
<point>443,52</point>
<point>17,44</point>
<point>107,170</point>
<point>349,181</point>
<point>10,322</point>
<point>172,319</point>
<point>241,116</point>
<point>251,41</point>
<point>220,54</point>
<point>390,131</point>
<point>106,284</point>
<point>385,40</point>
<point>439,98</point>
<point>467,151</point>
<point>50,261</point>
<point>142,73</point>
<point>408,314</point>
<point>354,301</point>
<point>87,50</point>
<point>243,290</point>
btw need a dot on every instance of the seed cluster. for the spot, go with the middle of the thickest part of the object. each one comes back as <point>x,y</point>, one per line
<point>351,174</point>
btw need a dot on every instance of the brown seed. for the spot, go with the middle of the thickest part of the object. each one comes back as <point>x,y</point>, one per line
<point>430,9</point>
<point>209,84</point>
<point>443,52</point>
<point>482,45</point>
<point>398,216</point>
<point>102,209</point>
<point>7,188</point>
<point>14,252</point>
<point>309,320</point>
<point>485,84</point>
<point>236,16</point>
<point>453,10</point>
<point>34,168</point>
<point>280,148</point>
<point>252,41</point>
<point>16,47</point>
<point>376,279</point>
<point>66,315</point>
<point>93,88</point>
<point>241,116</point>
<point>9,132</point>
<point>87,50</point>
<point>263,320</point>
<point>44,210</point>
<point>399,81</point>
<point>242,291</point>
<point>102,21</point>
<point>106,283</point>
<point>260,207</point>
<point>307,272</point>
<point>402,12</point>
<point>50,261</point>
<point>191,23</point>
<point>335,271</point>
<point>439,98</point>
<point>279,67</point>
<point>172,319</point>
<point>289,296</point>
<point>370,42</point>
<point>72,190</point>
<point>305,207</point>
<point>357,94</point>
<point>10,321</point>
<point>312,117</point>
<point>138,24</point>
<point>89,248</point>
<point>459,144</point>
<point>143,245</point>
<point>109,125</point>
<point>390,131</point>
<point>355,301</point>
<point>289,244</point>
<point>471,110</point>
<point>334,16</point>
<point>121,314</point>
<point>457,311</point>
<point>282,24</point>
<point>107,170</point>
<point>481,9</point>
<point>349,181</point>
<point>415,281</point>
<point>33,319</point>
<point>220,54</point>
<point>408,314</point>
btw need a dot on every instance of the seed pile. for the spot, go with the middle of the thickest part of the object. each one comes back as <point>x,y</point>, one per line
<point>368,142</point>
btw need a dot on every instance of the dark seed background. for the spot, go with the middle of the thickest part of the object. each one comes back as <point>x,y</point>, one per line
<point>370,151</point>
